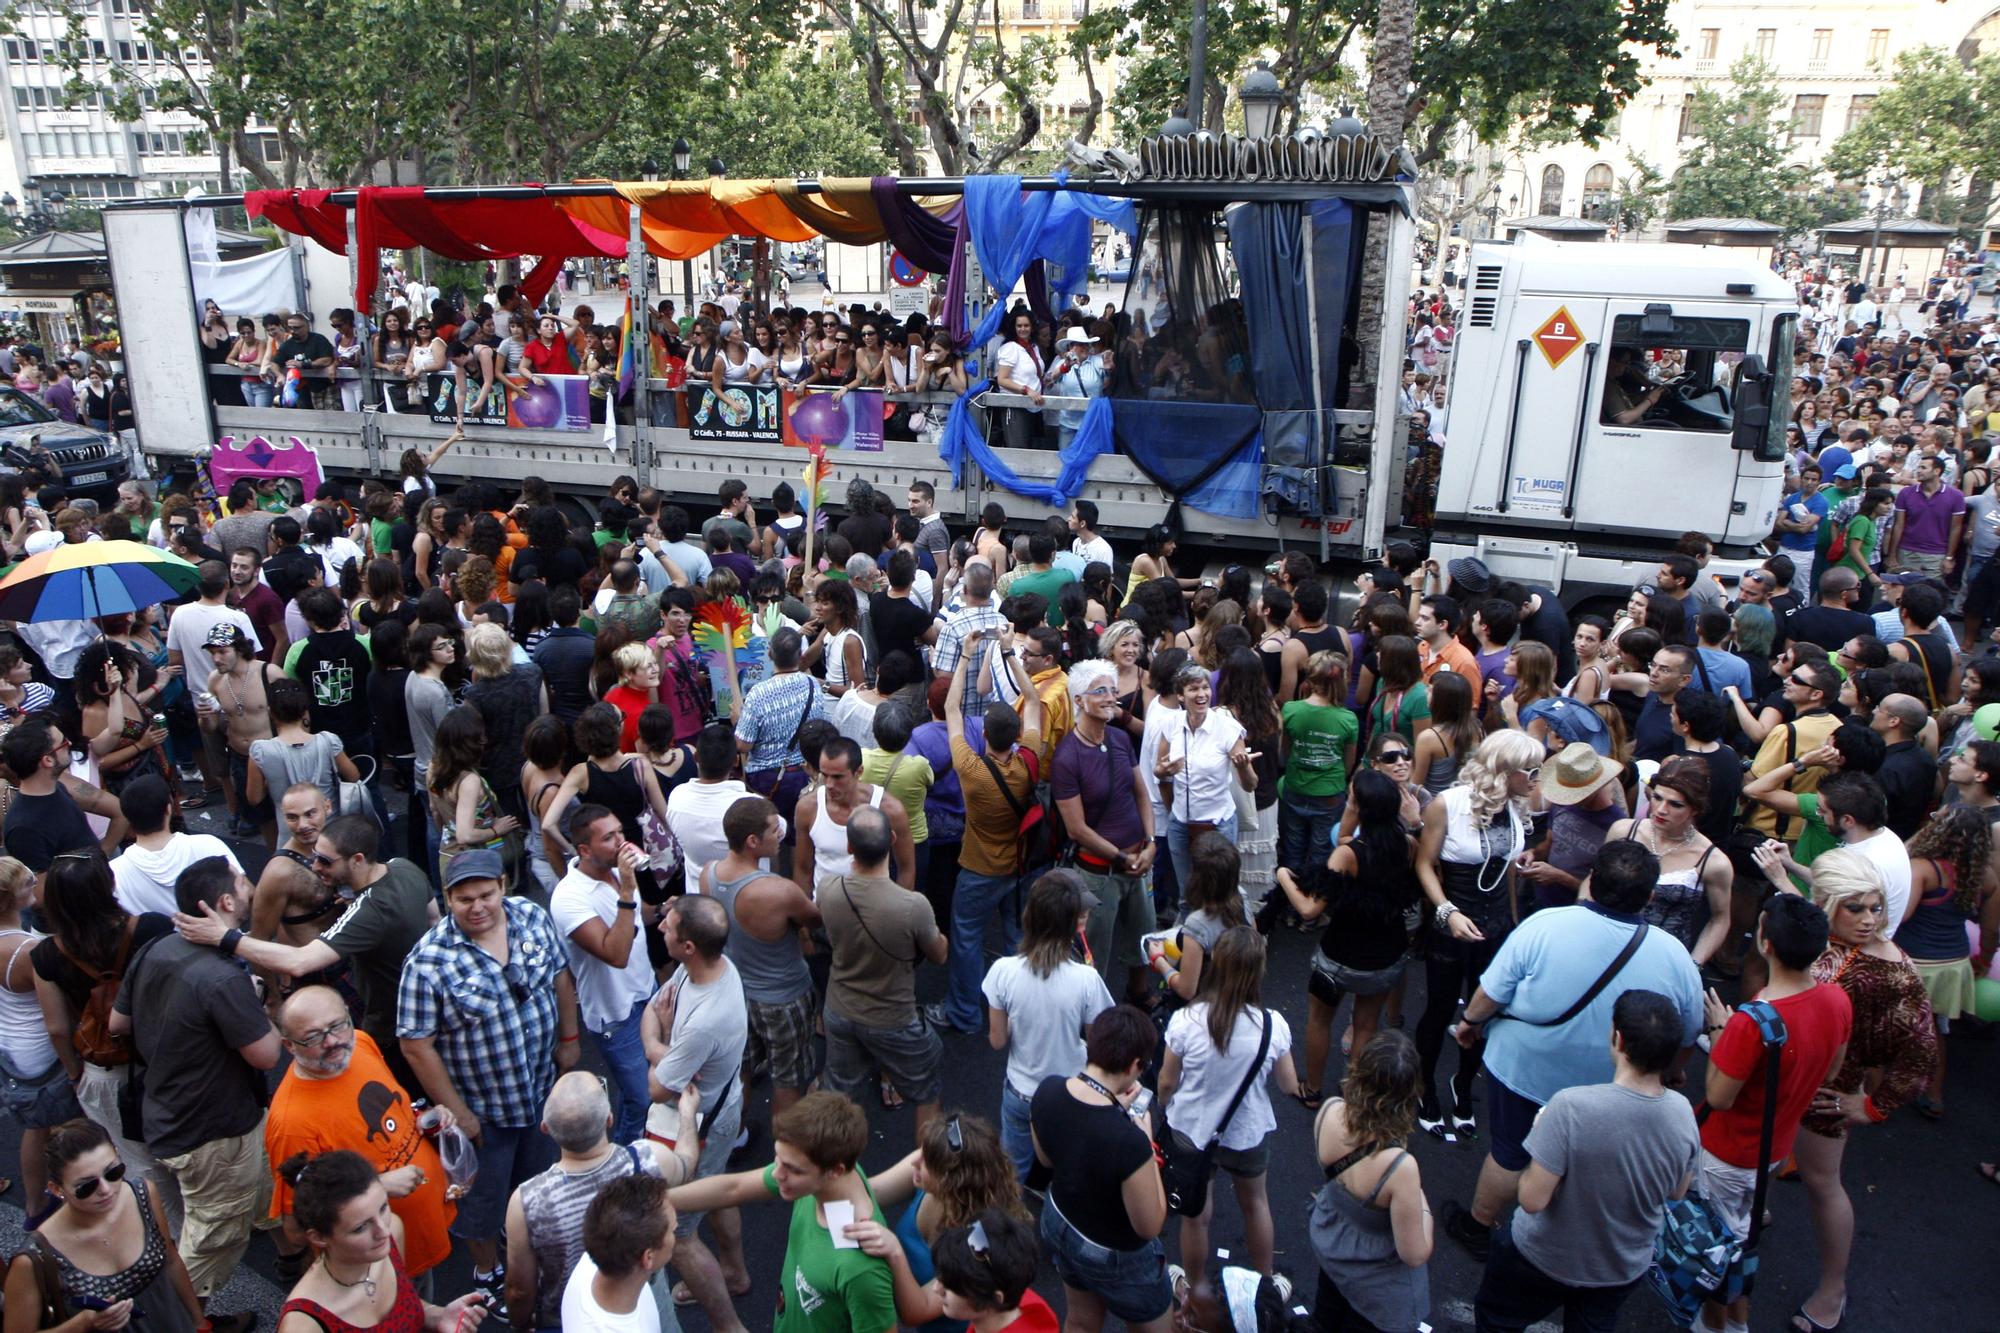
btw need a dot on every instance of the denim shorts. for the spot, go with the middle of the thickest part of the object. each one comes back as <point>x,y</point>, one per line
<point>42,1102</point>
<point>508,1155</point>
<point>911,1058</point>
<point>1327,980</point>
<point>1132,1283</point>
<point>1246,1163</point>
<point>1509,1117</point>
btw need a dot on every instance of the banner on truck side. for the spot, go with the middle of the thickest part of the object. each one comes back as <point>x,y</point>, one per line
<point>739,412</point>
<point>559,402</point>
<point>291,457</point>
<point>854,422</point>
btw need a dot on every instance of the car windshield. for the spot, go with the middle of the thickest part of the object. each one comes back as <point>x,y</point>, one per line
<point>18,409</point>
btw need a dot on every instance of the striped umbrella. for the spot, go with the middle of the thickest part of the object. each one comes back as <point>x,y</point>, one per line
<point>85,580</point>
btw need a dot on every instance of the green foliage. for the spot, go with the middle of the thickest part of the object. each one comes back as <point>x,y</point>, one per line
<point>1559,70</point>
<point>1936,124</point>
<point>1734,164</point>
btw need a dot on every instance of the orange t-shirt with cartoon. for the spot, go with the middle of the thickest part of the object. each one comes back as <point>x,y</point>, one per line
<point>366,1111</point>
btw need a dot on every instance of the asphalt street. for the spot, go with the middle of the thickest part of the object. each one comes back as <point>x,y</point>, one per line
<point>1922,1213</point>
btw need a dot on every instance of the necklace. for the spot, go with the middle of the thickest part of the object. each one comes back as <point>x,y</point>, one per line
<point>1681,840</point>
<point>367,1281</point>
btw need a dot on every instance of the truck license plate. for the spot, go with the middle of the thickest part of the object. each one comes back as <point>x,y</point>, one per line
<point>88,478</point>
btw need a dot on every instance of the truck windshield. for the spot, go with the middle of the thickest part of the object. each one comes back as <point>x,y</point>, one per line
<point>1678,380</point>
<point>18,409</point>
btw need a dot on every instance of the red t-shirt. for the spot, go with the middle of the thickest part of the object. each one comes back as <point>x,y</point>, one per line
<point>1817,1023</point>
<point>1036,1316</point>
<point>549,358</point>
<point>631,703</point>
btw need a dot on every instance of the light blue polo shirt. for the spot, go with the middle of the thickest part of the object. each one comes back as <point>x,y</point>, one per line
<point>1545,965</point>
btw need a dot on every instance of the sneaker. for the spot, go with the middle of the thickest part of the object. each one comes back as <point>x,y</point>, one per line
<point>1467,1230</point>
<point>934,1015</point>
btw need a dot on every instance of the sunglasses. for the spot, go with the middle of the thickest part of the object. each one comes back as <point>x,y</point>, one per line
<point>114,1173</point>
<point>954,1135</point>
<point>1394,756</point>
<point>517,981</point>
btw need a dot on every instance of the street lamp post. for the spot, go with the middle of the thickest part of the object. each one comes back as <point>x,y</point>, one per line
<point>682,156</point>
<point>715,171</point>
<point>35,217</point>
<point>1493,211</point>
<point>1888,186</point>
<point>1262,98</point>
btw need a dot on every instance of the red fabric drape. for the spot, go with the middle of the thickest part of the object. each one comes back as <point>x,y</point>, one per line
<point>399,217</point>
<point>303,213</point>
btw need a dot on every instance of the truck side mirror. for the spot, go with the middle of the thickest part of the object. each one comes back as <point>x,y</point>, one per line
<point>1752,430</point>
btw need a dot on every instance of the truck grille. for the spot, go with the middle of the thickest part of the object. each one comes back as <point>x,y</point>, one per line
<point>82,453</point>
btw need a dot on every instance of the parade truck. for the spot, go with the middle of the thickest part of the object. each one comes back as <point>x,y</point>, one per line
<point>1251,397</point>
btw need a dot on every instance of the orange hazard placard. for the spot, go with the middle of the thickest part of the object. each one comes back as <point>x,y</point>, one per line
<point>1558,337</point>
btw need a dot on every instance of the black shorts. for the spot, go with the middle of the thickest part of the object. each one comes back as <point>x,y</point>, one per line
<point>1509,1117</point>
<point>1982,595</point>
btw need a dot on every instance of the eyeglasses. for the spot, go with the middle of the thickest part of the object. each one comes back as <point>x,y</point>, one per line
<point>112,1174</point>
<point>1394,757</point>
<point>340,1027</point>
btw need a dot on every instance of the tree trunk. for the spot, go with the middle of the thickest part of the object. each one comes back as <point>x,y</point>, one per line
<point>1388,92</point>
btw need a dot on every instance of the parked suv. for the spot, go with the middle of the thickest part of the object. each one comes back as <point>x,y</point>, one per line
<point>91,461</point>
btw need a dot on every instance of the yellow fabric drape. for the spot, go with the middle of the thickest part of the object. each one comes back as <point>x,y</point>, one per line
<point>685,219</point>
<point>727,207</point>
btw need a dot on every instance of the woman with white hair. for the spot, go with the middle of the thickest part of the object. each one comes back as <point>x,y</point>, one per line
<point>508,695</point>
<point>1472,836</point>
<point>1889,1055</point>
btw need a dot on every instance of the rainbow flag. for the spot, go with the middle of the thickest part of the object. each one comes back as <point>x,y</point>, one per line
<point>628,357</point>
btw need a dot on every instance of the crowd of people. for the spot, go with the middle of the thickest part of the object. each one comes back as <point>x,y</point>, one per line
<point>513,807</point>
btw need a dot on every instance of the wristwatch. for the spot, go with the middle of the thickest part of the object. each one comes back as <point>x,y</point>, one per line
<point>624,906</point>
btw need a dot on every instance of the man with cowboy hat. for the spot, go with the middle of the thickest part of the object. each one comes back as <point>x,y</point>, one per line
<point>1078,373</point>
<point>1585,800</point>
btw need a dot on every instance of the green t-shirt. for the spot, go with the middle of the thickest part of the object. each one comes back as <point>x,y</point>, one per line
<point>382,536</point>
<point>1048,582</point>
<point>1862,537</point>
<point>1815,839</point>
<point>913,782</point>
<point>1316,739</point>
<point>1413,707</point>
<point>825,1290</point>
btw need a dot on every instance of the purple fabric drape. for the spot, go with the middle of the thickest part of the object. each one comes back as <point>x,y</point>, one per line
<point>923,236</point>
<point>954,286</point>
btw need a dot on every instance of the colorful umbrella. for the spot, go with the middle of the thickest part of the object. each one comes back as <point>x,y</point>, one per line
<point>85,580</point>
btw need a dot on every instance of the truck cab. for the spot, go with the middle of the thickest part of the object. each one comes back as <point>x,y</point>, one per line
<point>1607,399</point>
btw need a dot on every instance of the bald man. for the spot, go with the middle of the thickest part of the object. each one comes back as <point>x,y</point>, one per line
<point>545,1215</point>
<point>1908,772</point>
<point>339,1094</point>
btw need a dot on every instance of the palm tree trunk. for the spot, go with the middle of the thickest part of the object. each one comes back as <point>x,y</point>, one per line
<point>1388,98</point>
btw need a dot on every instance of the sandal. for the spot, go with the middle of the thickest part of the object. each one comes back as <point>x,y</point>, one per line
<point>1812,1325</point>
<point>685,1298</point>
<point>891,1099</point>
<point>1309,1098</point>
<point>1928,1109</point>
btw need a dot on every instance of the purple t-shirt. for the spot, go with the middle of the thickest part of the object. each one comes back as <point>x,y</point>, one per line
<point>944,807</point>
<point>1927,518</point>
<point>1490,665</point>
<point>1103,778</point>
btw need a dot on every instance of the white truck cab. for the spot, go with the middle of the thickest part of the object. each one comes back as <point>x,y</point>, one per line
<point>1607,399</point>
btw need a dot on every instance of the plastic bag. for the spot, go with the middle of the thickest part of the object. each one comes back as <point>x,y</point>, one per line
<point>461,1161</point>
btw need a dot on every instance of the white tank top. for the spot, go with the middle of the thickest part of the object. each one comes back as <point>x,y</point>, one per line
<point>23,1035</point>
<point>830,854</point>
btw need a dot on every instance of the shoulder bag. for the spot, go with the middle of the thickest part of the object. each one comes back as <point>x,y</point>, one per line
<point>1595,989</point>
<point>1186,1169</point>
<point>1697,1257</point>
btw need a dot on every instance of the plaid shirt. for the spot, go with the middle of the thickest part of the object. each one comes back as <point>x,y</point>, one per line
<point>771,719</point>
<point>495,1027</point>
<point>951,645</point>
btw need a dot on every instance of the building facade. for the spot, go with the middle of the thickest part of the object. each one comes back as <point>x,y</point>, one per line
<point>1830,57</point>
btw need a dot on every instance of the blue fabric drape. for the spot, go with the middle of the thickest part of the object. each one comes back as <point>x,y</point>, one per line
<point>1010,230</point>
<point>1268,242</point>
<point>961,441</point>
<point>1173,454</point>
